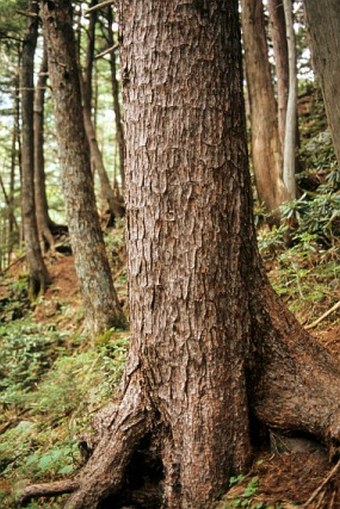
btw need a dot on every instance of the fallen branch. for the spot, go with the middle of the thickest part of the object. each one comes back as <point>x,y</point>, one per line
<point>18,260</point>
<point>323,484</point>
<point>322,317</point>
<point>47,490</point>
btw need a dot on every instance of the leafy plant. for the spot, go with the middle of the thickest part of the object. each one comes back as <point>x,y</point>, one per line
<point>244,499</point>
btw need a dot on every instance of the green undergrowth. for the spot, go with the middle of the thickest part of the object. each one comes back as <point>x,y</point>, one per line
<point>302,254</point>
<point>245,493</point>
<point>51,386</point>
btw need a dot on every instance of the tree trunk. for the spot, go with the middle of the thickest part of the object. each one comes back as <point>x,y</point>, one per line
<point>289,155</point>
<point>13,228</point>
<point>36,266</point>
<point>114,202</point>
<point>102,308</point>
<point>323,19</point>
<point>266,147</point>
<point>43,219</point>
<point>89,59</point>
<point>116,102</point>
<point>279,40</point>
<point>212,347</point>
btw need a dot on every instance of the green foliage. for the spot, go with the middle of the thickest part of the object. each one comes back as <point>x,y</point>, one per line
<point>306,274</point>
<point>27,351</point>
<point>244,498</point>
<point>16,303</point>
<point>52,385</point>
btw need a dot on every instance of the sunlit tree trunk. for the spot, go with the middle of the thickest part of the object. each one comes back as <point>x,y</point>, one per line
<point>43,219</point>
<point>289,155</point>
<point>323,20</point>
<point>89,59</point>
<point>279,40</point>
<point>116,101</point>
<point>102,308</point>
<point>13,227</point>
<point>36,266</point>
<point>109,198</point>
<point>266,150</point>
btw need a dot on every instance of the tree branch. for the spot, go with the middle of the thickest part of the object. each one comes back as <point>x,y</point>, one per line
<point>28,14</point>
<point>107,50</point>
<point>100,6</point>
<point>322,317</point>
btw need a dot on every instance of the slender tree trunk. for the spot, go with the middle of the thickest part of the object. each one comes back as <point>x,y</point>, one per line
<point>266,147</point>
<point>279,40</point>
<point>36,266</point>
<point>323,19</point>
<point>289,156</point>
<point>101,304</point>
<point>114,202</point>
<point>116,102</point>
<point>211,344</point>
<point>43,219</point>
<point>89,59</point>
<point>13,227</point>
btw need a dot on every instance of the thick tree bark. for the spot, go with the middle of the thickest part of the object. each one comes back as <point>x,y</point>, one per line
<point>36,266</point>
<point>43,220</point>
<point>279,40</point>
<point>212,346</point>
<point>116,102</point>
<point>102,308</point>
<point>289,155</point>
<point>265,142</point>
<point>323,19</point>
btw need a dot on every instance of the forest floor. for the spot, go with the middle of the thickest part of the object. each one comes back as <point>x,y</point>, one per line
<point>290,472</point>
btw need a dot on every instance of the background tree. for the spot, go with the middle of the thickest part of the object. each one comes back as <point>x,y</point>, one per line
<point>115,93</point>
<point>101,304</point>
<point>266,150</point>
<point>109,198</point>
<point>323,20</point>
<point>37,270</point>
<point>46,226</point>
<point>279,40</point>
<point>289,154</point>
<point>211,343</point>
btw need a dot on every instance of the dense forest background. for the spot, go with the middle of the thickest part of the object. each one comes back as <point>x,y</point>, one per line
<point>62,354</point>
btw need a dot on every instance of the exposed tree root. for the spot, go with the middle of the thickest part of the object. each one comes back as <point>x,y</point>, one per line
<point>103,475</point>
<point>47,490</point>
